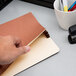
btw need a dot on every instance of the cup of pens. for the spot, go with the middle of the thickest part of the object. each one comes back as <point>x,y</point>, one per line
<point>65,11</point>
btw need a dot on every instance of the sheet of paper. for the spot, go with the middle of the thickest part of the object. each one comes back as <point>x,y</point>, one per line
<point>41,49</point>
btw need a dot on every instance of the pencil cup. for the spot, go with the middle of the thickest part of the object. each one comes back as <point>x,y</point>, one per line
<point>65,19</point>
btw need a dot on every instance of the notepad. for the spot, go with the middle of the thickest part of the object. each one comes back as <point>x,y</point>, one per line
<point>28,29</point>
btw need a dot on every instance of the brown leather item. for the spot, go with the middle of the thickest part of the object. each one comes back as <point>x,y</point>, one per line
<point>3,68</point>
<point>25,27</point>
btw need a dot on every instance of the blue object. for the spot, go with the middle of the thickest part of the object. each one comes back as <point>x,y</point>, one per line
<point>72,5</point>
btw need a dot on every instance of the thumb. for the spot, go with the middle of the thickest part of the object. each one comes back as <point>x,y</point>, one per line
<point>16,53</point>
<point>22,50</point>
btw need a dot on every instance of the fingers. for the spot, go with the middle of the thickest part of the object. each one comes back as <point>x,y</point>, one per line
<point>14,55</point>
<point>17,42</point>
<point>22,50</point>
<point>11,49</point>
<point>14,41</point>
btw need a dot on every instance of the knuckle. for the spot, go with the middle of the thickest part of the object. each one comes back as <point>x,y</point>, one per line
<point>9,37</point>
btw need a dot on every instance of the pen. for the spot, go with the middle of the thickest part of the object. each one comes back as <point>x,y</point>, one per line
<point>72,7</point>
<point>61,5</point>
<point>65,6</point>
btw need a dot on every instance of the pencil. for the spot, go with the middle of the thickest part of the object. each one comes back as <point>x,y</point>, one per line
<point>65,6</point>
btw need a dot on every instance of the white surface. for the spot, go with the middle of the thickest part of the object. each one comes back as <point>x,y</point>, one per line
<point>41,49</point>
<point>62,64</point>
<point>65,19</point>
<point>65,3</point>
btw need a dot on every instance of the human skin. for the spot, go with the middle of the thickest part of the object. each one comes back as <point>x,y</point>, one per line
<point>10,49</point>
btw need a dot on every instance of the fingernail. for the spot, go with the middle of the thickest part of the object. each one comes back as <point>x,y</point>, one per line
<point>27,48</point>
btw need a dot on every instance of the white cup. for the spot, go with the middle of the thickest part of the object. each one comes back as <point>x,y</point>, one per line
<point>65,19</point>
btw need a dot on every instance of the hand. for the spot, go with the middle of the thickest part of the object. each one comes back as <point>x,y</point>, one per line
<point>10,49</point>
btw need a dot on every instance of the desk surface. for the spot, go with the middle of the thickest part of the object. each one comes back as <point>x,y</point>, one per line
<point>63,63</point>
